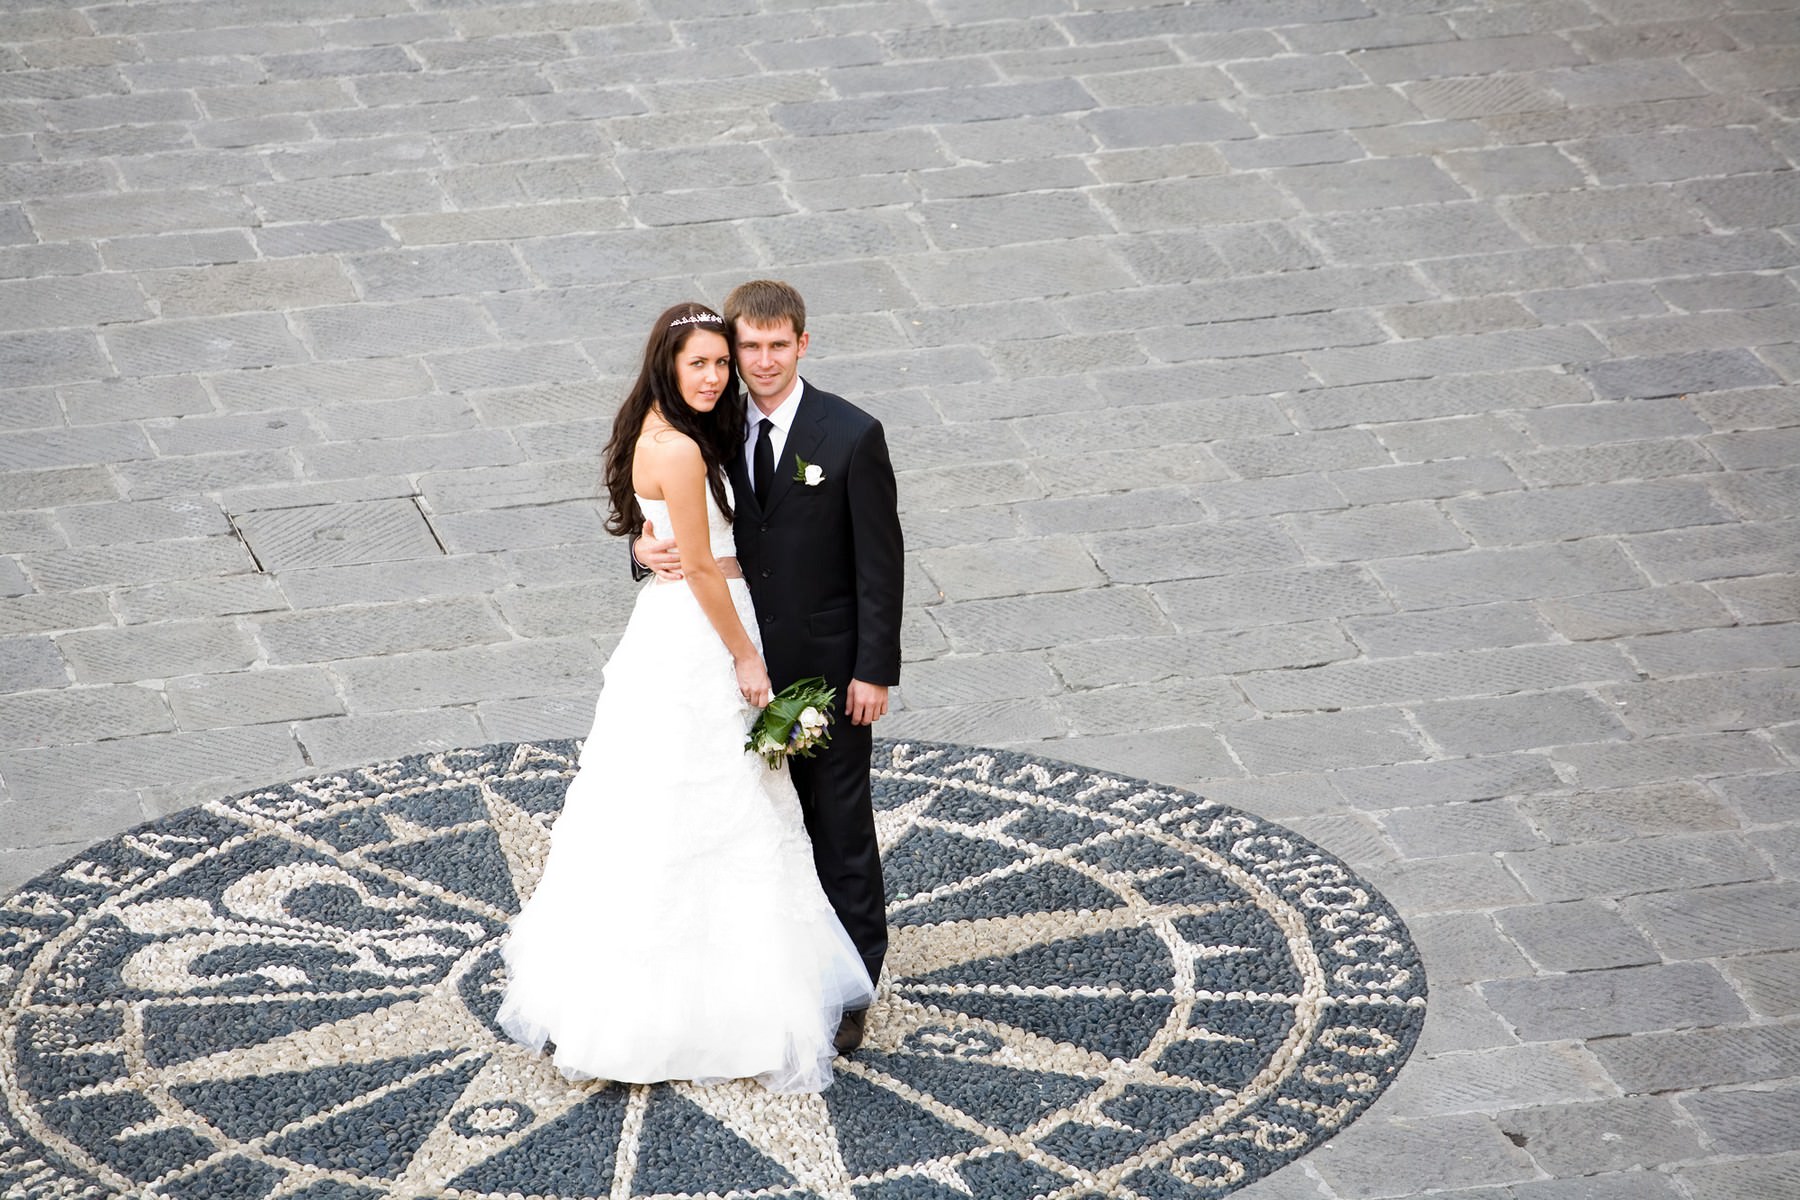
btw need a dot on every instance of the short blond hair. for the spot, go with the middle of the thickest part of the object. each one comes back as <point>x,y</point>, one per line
<point>766,302</point>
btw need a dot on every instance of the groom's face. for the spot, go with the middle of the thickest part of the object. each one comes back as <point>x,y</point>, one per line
<point>768,359</point>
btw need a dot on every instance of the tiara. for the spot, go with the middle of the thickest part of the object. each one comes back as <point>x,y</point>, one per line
<point>699,318</point>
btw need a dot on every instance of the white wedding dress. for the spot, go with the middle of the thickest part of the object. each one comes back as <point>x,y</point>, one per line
<point>679,930</point>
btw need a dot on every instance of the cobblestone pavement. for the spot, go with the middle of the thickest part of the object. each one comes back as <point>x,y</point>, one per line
<point>1376,414</point>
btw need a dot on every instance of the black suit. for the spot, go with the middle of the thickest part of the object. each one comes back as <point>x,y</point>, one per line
<point>824,564</point>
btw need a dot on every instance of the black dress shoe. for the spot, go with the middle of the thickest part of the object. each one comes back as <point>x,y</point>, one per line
<point>850,1031</point>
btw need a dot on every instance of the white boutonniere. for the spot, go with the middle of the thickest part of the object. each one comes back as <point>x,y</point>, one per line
<point>811,474</point>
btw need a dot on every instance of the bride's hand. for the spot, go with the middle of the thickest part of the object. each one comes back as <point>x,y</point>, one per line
<point>753,681</point>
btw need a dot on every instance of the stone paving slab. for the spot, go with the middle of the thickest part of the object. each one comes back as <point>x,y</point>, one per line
<point>1378,414</point>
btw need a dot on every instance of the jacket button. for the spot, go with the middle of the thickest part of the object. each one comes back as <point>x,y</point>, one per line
<point>762,529</point>
<point>766,572</point>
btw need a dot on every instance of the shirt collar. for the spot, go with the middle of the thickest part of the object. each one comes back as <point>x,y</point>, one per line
<point>784,413</point>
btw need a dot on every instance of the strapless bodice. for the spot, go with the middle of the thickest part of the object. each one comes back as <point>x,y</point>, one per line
<point>718,526</point>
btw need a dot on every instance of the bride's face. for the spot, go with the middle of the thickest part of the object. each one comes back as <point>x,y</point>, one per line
<point>703,369</point>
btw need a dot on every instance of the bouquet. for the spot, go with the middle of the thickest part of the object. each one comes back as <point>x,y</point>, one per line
<point>796,722</point>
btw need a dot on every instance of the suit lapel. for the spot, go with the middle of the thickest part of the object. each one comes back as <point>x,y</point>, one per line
<point>802,443</point>
<point>743,496</point>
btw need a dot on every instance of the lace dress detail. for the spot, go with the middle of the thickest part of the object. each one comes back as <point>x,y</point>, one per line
<point>679,930</point>
<point>718,525</point>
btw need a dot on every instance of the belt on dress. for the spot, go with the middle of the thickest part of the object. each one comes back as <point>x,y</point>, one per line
<point>728,567</point>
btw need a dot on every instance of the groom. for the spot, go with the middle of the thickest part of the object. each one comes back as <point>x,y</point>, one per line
<point>818,536</point>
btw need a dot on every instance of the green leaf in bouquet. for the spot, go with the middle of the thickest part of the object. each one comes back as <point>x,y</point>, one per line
<point>772,734</point>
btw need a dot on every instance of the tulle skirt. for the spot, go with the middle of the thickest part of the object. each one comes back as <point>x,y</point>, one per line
<point>678,930</point>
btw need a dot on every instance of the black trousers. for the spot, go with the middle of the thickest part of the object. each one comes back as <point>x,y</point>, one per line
<point>837,803</point>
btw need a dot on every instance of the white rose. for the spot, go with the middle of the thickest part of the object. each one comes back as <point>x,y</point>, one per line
<point>812,719</point>
<point>814,476</point>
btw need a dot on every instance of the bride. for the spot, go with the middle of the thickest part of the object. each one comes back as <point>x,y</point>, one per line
<point>679,930</point>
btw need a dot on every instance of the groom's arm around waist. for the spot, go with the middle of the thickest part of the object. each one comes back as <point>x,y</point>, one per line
<point>639,572</point>
<point>879,558</point>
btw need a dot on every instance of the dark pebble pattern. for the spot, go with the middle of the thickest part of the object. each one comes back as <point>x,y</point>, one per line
<point>249,1108</point>
<point>172,1034</point>
<point>232,1177</point>
<point>571,1156</point>
<point>378,1139</point>
<point>1046,887</point>
<point>685,1150</point>
<point>929,857</point>
<point>1129,959</point>
<point>1096,985</point>
<point>1006,1098</point>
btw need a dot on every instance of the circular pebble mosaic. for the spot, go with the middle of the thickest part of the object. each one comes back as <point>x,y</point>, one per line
<point>1096,988</point>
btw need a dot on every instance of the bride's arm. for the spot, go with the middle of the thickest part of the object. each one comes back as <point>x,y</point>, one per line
<point>675,466</point>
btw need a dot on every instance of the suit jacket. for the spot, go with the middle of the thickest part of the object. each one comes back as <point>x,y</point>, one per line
<point>824,561</point>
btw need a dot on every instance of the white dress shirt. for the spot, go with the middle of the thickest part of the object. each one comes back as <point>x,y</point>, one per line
<point>782,421</point>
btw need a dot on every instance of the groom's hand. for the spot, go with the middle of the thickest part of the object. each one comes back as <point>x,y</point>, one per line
<point>865,703</point>
<point>657,555</point>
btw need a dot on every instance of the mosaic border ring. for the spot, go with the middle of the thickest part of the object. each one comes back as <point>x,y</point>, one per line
<point>1096,987</point>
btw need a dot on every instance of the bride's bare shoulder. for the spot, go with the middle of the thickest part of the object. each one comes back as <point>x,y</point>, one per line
<point>665,445</point>
<point>664,456</point>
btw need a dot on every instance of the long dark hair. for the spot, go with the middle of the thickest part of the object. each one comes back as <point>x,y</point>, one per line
<point>719,433</point>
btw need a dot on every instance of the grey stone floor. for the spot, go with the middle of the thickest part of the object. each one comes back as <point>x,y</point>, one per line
<point>1377,414</point>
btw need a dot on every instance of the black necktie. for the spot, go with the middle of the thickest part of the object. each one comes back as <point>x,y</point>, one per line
<point>765,462</point>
